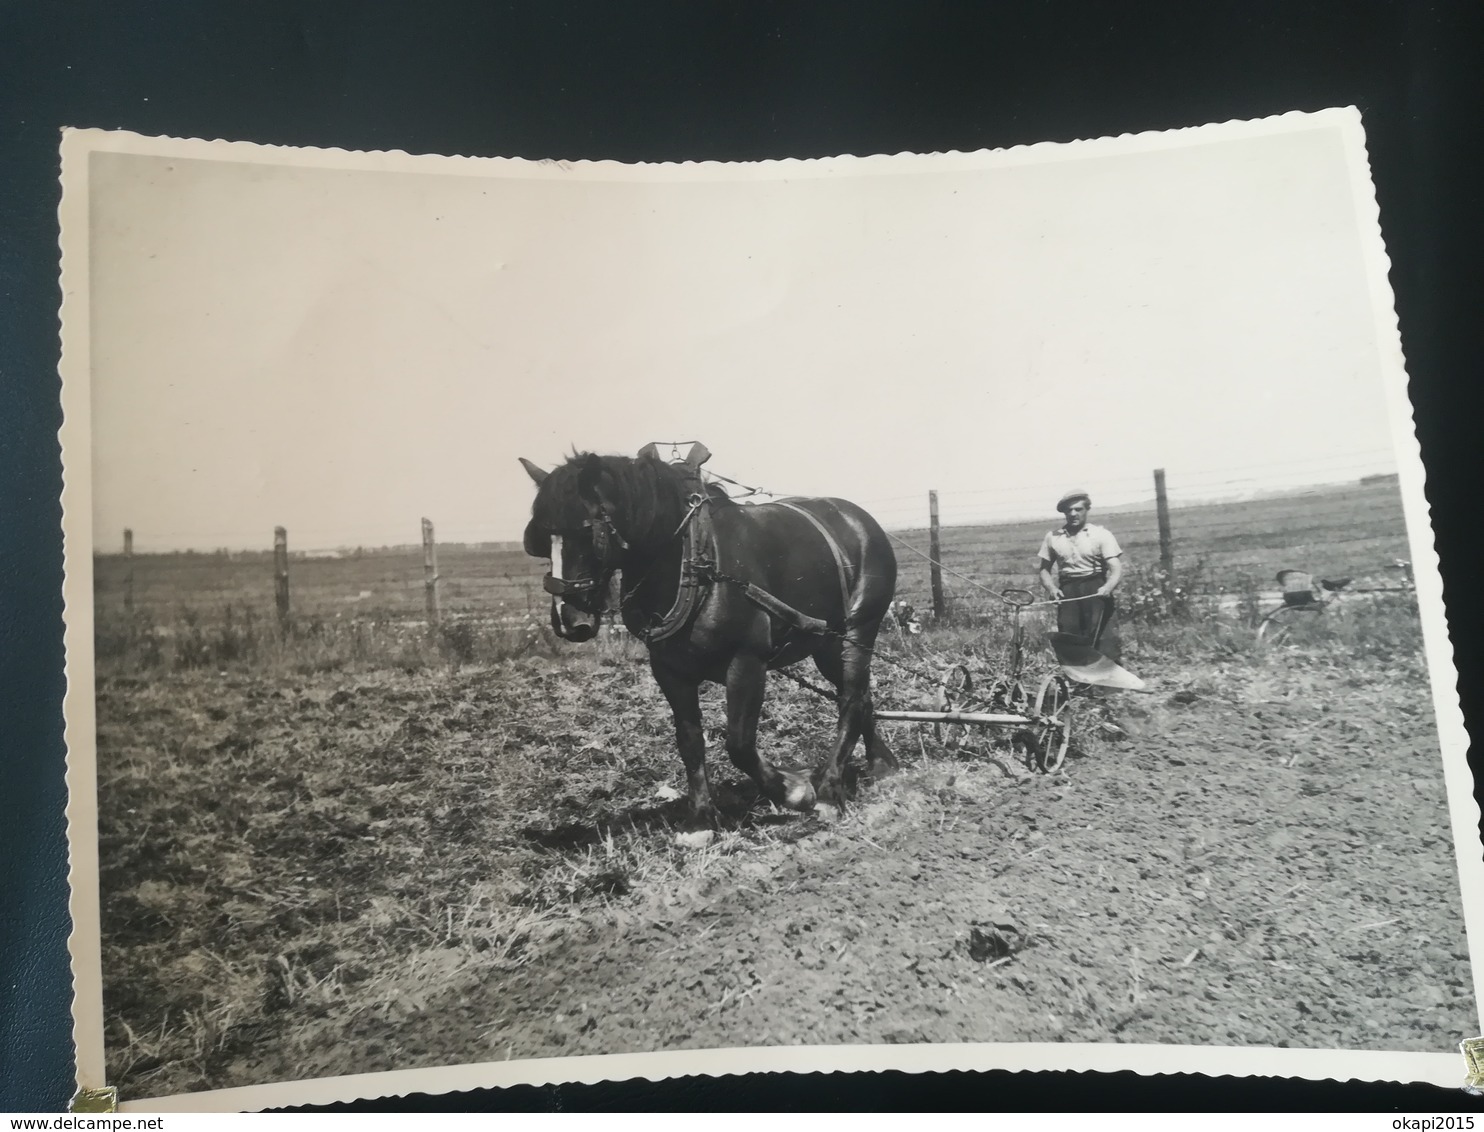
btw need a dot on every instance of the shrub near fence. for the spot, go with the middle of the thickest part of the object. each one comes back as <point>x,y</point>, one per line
<point>359,609</point>
<point>192,637</point>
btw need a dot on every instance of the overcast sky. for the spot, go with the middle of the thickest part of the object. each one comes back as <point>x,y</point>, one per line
<point>344,350</point>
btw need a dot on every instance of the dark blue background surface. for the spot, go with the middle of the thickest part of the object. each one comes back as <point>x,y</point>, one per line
<point>671,81</point>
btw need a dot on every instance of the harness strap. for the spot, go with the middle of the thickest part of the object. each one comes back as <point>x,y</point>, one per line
<point>698,568</point>
<point>841,566</point>
<point>782,610</point>
<point>697,554</point>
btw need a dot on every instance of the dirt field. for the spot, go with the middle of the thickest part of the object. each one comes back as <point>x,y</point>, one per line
<point>346,871</point>
<point>358,846</point>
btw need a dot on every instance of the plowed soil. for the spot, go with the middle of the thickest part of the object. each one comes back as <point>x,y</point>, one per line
<point>438,869</point>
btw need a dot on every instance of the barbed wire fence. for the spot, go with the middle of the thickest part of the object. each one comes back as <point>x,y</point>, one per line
<point>955,548</point>
<point>1220,539</point>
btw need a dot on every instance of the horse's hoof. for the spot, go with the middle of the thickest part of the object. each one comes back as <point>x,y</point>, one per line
<point>826,812</point>
<point>698,839</point>
<point>829,792</point>
<point>799,795</point>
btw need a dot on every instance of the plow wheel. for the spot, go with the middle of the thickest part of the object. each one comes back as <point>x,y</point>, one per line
<point>1053,726</point>
<point>953,694</point>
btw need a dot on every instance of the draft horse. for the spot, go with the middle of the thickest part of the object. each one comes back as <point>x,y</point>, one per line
<point>721,591</point>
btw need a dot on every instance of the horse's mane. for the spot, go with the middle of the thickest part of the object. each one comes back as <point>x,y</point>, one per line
<point>648,494</point>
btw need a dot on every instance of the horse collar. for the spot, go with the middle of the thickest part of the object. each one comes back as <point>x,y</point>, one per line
<point>697,558</point>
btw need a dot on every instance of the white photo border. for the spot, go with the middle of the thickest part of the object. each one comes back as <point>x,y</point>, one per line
<point>1444,1069</point>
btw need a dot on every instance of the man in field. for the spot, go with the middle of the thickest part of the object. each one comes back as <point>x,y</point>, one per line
<point>1083,560</point>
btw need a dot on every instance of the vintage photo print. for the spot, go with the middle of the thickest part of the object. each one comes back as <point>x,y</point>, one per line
<point>539,621</point>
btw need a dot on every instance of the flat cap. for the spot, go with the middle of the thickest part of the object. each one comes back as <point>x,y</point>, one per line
<point>1071,497</point>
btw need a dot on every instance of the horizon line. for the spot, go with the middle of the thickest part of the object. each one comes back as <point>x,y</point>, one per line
<point>1132,506</point>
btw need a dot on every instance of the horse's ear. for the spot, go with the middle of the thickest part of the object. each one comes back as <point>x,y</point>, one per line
<point>697,455</point>
<point>534,472</point>
<point>650,451</point>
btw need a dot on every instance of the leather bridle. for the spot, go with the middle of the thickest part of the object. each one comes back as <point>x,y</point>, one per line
<point>608,546</point>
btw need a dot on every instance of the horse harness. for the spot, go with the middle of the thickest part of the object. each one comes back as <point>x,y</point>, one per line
<point>697,561</point>
<point>842,567</point>
<point>699,569</point>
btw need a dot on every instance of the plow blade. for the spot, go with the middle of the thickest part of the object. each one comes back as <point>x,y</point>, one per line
<point>1084,664</point>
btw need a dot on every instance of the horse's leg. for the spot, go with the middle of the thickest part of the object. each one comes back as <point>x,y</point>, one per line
<point>855,692</point>
<point>684,697</point>
<point>879,759</point>
<point>747,677</point>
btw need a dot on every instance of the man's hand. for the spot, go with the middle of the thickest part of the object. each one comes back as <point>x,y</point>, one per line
<point>1048,582</point>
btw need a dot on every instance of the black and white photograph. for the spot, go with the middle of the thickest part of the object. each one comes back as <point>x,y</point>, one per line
<point>565,621</point>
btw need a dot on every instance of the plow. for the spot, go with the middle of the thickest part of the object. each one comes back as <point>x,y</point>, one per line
<point>1043,720</point>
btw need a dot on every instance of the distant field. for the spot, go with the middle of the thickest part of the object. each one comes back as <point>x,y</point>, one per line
<point>1355,530</point>
<point>377,583</point>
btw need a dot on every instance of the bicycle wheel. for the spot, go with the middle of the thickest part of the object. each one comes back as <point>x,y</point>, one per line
<point>1279,623</point>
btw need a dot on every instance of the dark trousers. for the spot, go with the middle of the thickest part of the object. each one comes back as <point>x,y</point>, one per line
<point>1096,619</point>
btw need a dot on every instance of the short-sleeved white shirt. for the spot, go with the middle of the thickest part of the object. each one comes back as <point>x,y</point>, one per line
<point>1081,555</point>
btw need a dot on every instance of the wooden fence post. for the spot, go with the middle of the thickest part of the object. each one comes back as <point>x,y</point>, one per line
<point>281,576</point>
<point>430,574</point>
<point>1162,504</point>
<point>935,556</point>
<point>129,569</point>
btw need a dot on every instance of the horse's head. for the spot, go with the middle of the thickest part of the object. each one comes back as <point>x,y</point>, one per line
<point>573,527</point>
